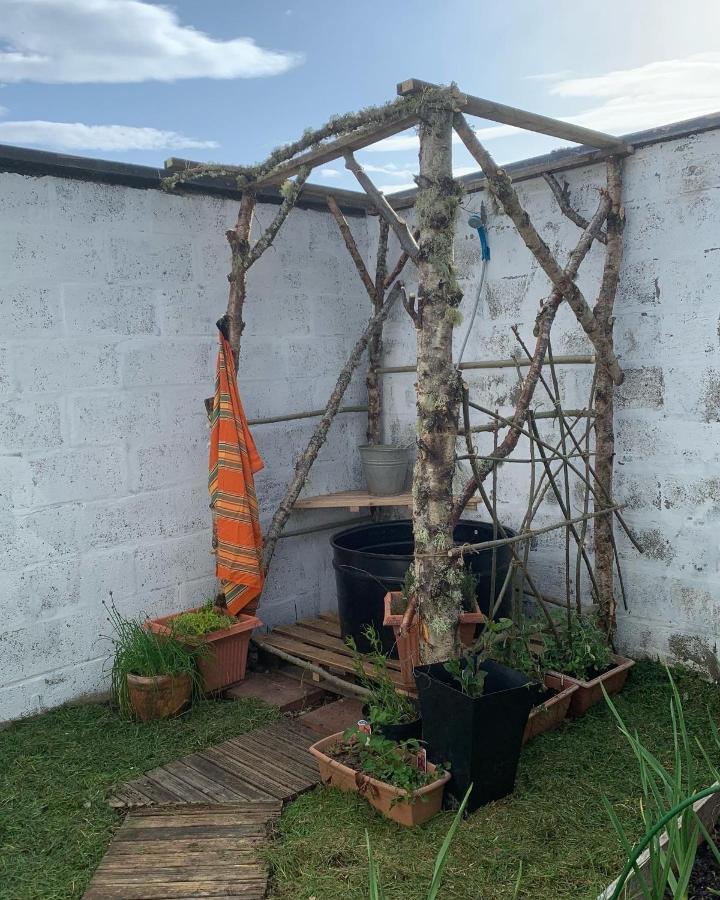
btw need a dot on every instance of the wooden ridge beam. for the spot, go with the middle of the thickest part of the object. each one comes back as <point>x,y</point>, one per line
<point>521,118</point>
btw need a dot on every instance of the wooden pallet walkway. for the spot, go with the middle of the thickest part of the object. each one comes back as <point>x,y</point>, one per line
<point>318,641</point>
<point>187,852</point>
<point>270,763</point>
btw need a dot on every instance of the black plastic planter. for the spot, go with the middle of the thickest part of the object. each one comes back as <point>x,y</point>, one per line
<point>404,731</point>
<point>480,737</point>
<point>370,560</point>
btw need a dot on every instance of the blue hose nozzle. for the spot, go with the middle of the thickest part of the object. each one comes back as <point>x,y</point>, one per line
<point>476,221</point>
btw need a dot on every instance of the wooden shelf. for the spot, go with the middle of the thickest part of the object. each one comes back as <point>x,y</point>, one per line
<point>357,500</point>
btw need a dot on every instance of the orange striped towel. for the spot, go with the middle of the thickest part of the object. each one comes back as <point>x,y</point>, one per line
<point>237,539</point>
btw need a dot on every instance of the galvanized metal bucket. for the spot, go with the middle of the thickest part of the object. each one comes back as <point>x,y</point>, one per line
<point>385,467</point>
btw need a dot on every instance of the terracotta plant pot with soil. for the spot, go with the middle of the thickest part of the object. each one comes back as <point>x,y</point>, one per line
<point>224,660</point>
<point>408,646</point>
<point>392,802</point>
<point>550,713</point>
<point>589,693</point>
<point>160,696</point>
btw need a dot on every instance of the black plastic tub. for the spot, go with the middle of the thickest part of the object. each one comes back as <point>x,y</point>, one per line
<point>372,559</point>
<point>481,737</point>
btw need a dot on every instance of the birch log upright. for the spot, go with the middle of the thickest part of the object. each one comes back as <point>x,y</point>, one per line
<point>604,400</point>
<point>438,387</point>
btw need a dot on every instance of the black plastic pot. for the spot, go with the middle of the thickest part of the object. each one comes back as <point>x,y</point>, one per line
<point>404,731</point>
<point>480,737</point>
<point>372,559</point>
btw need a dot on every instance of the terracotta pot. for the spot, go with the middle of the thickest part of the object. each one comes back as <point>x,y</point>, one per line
<point>388,800</point>
<point>589,693</point>
<point>159,696</point>
<point>225,659</point>
<point>409,645</point>
<point>549,716</point>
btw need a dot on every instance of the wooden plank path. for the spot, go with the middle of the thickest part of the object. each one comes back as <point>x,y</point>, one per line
<point>270,763</point>
<point>194,826</point>
<point>187,852</point>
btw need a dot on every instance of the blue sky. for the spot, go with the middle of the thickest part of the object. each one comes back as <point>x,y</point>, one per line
<point>228,81</point>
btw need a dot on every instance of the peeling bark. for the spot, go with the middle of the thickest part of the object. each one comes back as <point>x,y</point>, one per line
<point>439,391</point>
<point>603,537</point>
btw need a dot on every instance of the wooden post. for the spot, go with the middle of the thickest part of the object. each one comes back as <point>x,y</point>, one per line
<point>373,380</point>
<point>239,240</point>
<point>439,389</point>
<point>603,537</point>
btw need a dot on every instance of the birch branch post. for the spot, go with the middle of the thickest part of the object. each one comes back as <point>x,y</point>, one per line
<point>438,389</point>
<point>562,195</point>
<point>603,538</point>
<point>398,225</point>
<point>303,465</point>
<point>373,382</point>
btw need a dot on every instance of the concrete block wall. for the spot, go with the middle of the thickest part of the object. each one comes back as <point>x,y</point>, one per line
<point>668,410</point>
<point>108,299</point>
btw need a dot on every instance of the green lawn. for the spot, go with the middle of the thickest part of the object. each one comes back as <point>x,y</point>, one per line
<point>554,827</point>
<point>55,773</point>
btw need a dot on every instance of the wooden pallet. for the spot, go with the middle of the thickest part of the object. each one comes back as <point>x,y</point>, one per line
<point>188,852</point>
<point>318,641</point>
<point>357,500</point>
<point>270,764</point>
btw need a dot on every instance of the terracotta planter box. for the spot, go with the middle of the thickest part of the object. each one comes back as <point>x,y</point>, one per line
<point>226,657</point>
<point>589,693</point>
<point>549,716</point>
<point>158,697</point>
<point>386,799</point>
<point>409,646</point>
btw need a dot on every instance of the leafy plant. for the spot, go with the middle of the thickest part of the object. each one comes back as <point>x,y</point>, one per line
<point>139,651</point>
<point>582,650</point>
<point>388,761</point>
<point>468,590</point>
<point>201,622</point>
<point>666,805</point>
<point>376,889</point>
<point>509,644</point>
<point>386,705</point>
<point>467,672</point>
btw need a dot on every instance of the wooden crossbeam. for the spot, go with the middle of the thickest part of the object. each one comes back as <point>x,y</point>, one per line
<point>521,118</point>
<point>326,153</point>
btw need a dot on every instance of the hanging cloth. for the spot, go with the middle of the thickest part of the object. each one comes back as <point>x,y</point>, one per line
<point>237,539</point>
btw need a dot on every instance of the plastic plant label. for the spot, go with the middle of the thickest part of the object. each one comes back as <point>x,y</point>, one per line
<point>422,759</point>
<point>364,727</point>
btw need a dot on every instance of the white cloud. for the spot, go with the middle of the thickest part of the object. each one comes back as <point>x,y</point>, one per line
<point>119,41</point>
<point>627,100</point>
<point>330,173</point>
<point>654,94</point>
<point>77,136</point>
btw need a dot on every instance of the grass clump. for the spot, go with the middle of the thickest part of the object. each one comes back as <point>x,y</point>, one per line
<point>139,651</point>
<point>201,622</point>
<point>56,773</point>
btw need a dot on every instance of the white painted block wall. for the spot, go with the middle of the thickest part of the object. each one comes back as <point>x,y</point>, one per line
<point>108,302</point>
<point>668,410</point>
<point>108,299</point>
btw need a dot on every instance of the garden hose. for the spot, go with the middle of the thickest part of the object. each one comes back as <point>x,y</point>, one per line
<point>478,222</point>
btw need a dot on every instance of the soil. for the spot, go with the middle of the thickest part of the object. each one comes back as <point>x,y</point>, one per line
<point>705,878</point>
